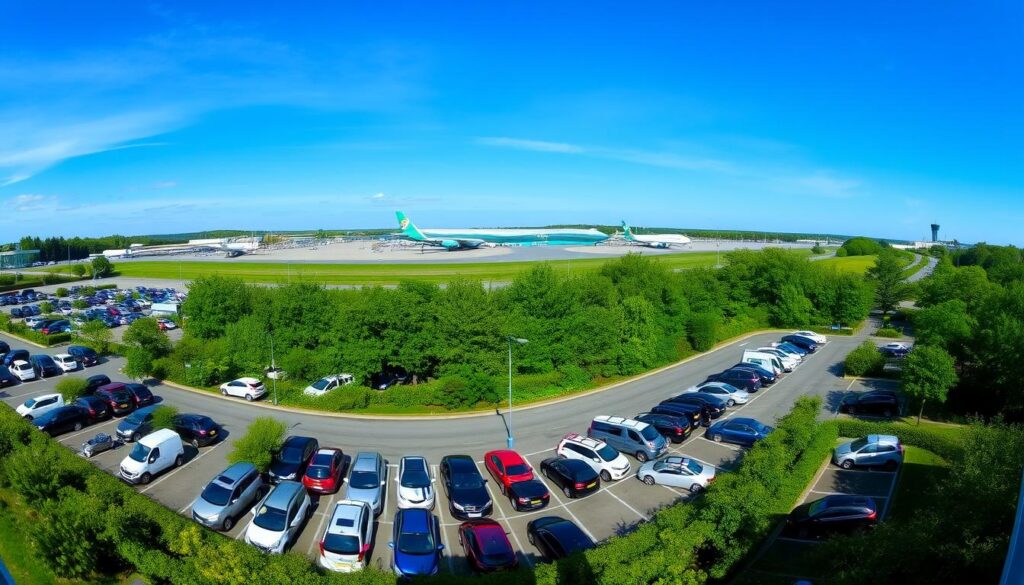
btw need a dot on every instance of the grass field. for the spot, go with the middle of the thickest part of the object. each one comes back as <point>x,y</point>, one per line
<point>383,274</point>
<point>852,264</point>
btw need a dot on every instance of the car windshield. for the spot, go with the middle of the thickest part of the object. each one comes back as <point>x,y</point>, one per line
<point>318,471</point>
<point>216,494</point>
<point>341,544</point>
<point>136,417</point>
<point>415,477</point>
<point>30,402</point>
<point>858,444</point>
<point>139,453</point>
<point>760,427</point>
<point>518,469</point>
<point>466,481</point>
<point>693,466</point>
<point>649,433</point>
<point>608,453</point>
<point>291,455</point>
<point>270,519</point>
<point>321,383</point>
<point>364,480</point>
<point>416,543</point>
<point>816,508</point>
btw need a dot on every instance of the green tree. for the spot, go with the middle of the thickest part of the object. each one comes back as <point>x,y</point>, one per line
<point>78,270</point>
<point>702,330</point>
<point>71,388</point>
<point>214,302</point>
<point>262,439</point>
<point>145,334</point>
<point>96,334</point>
<point>163,417</point>
<point>887,276</point>
<point>947,324</point>
<point>928,374</point>
<point>139,362</point>
<point>101,267</point>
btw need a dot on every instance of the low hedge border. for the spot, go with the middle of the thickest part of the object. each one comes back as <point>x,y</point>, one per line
<point>944,442</point>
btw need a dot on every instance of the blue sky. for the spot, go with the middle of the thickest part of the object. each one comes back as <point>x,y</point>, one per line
<point>868,117</point>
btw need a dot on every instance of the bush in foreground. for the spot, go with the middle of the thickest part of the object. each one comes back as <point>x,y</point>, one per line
<point>262,439</point>
<point>71,388</point>
<point>163,417</point>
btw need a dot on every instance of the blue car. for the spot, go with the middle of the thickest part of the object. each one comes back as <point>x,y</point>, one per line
<point>742,431</point>
<point>787,346</point>
<point>767,377</point>
<point>416,541</point>
<point>802,342</point>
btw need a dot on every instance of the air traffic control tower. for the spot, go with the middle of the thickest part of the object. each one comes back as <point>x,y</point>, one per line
<point>935,232</point>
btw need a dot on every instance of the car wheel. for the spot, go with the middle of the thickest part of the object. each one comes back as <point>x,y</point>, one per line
<point>529,537</point>
<point>28,417</point>
<point>641,457</point>
<point>696,488</point>
<point>224,391</point>
<point>146,477</point>
<point>730,403</point>
<point>195,443</point>
<point>605,476</point>
<point>78,426</point>
<point>135,437</point>
<point>716,438</point>
<point>178,461</point>
<point>248,397</point>
<point>649,479</point>
<point>846,464</point>
<point>890,465</point>
<point>228,524</point>
<point>567,492</point>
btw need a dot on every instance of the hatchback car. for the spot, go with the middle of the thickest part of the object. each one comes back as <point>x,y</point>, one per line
<point>117,396</point>
<point>674,428</point>
<point>767,377</point>
<point>290,462</point>
<point>196,429</point>
<point>507,467</point>
<point>883,404</point>
<point>324,473</point>
<point>741,430</point>
<point>730,394</point>
<point>141,394</point>
<point>278,517</point>
<point>85,355</point>
<point>229,495</point>
<point>136,425</point>
<point>58,326</point>
<point>415,485</point>
<point>800,341</point>
<point>574,477</point>
<point>96,409</point>
<point>681,472</point>
<point>248,388</point>
<point>600,456</point>
<point>66,362</point>
<point>15,355</point>
<point>895,349</point>
<point>367,480</point>
<point>487,546</point>
<point>873,450</point>
<point>557,538</point>
<point>716,407</point>
<point>61,420</point>
<point>23,370</point>
<point>44,366</point>
<point>94,382</point>
<point>697,414</point>
<point>831,515</point>
<point>467,493</point>
<point>346,542</point>
<point>40,405</point>
<point>527,495</point>
<point>740,378</point>
<point>416,542</point>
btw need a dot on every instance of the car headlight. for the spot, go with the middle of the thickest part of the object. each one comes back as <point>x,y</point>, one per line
<point>457,506</point>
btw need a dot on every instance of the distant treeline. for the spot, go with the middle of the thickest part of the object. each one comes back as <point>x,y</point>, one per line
<point>57,249</point>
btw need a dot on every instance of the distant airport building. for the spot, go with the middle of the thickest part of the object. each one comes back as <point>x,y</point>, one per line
<point>18,259</point>
<point>231,246</point>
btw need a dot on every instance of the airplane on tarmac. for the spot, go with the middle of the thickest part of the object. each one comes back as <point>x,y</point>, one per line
<point>457,239</point>
<point>654,240</point>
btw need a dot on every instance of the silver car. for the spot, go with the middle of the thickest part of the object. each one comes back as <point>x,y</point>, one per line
<point>228,496</point>
<point>872,450</point>
<point>367,480</point>
<point>680,472</point>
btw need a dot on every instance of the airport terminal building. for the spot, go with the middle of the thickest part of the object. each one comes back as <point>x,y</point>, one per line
<point>15,259</point>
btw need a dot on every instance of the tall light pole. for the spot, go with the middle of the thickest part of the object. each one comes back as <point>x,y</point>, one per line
<point>520,341</point>
<point>273,366</point>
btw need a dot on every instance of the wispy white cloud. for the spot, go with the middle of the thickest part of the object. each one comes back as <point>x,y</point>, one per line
<point>377,196</point>
<point>29,202</point>
<point>534,145</point>
<point>644,157</point>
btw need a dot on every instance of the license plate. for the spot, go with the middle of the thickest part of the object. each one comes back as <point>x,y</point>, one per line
<point>591,484</point>
<point>474,514</point>
<point>535,502</point>
<point>124,406</point>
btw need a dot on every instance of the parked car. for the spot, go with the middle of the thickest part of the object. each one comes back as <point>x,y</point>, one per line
<point>507,467</point>
<point>467,493</point>
<point>557,538</point>
<point>800,341</point>
<point>6,377</point>
<point>166,324</point>
<point>278,518</point>
<point>600,456</point>
<point>697,414</point>
<point>96,409</point>
<point>136,425</point>
<point>673,427</point>
<point>66,362</point>
<point>883,404</point>
<point>346,542</point>
<point>248,388</point>
<point>151,455</point>
<point>290,462</point>
<point>4,348</point>
<point>815,337</point>
<point>530,494</point>
<point>639,439</point>
<point>23,370</point>
<point>324,473</point>
<point>416,542</point>
<point>415,486</point>
<point>116,394</point>
<point>196,429</point>
<point>40,405</point>
<point>141,394</point>
<point>715,406</point>
<point>740,378</point>
<point>327,384</point>
<point>573,476</point>
<point>15,355</point>
<point>388,378</point>
<point>727,392</point>
<point>895,349</point>
<point>833,514</point>
<point>229,495</point>
<point>792,348</point>
<point>59,326</point>
<point>61,420</point>
<point>740,430</point>
<point>367,480</point>
<point>94,382</point>
<point>487,546</point>
<point>681,472</point>
<point>16,313</point>
<point>44,366</point>
<point>873,450</point>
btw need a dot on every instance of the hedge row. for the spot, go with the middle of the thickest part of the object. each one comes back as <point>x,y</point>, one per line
<point>945,442</point>
<point>21,330</point>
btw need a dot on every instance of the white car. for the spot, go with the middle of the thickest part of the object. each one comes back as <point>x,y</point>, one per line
<point>788,361</point>
<point>166,324</point>
<point>23,370</point>
<point>328,383</point>
<point>415,486</point>
<point>601,456</point>
<point>278,518</point>
<point>675,471</point>
<point>816,337</point>
<point>727,392</point>
<point>248,388</point>
<point>346,542</point>
<point>66,362</point>
<point>40,405</point>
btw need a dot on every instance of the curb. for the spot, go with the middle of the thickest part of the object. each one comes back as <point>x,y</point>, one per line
<point>478,413</point>
<point>32,343</point>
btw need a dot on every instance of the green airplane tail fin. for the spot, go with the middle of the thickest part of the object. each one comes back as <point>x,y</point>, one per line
<point>408,228</point>
<point>627,231</point>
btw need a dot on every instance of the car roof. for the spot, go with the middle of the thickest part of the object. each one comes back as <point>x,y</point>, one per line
<point>22,362</point>
<point>411,461</point>
<point>414,519</point>
<point>156,437</point>
<point>235,472</point>
<point>842,501</point>
<point>62,355</point>
<point>746,420</point>
<point>345,517</point>
<point>296,441</point>
<point>248,380</point>
<point>366,460</point>
<point>585,441</point>
<point>283,494</point>
<point>461,464</point>
<point>619,420</point>
<point>506,456</point>
<point>885,439</point>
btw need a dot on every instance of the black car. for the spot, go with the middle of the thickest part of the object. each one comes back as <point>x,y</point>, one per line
<point>531,494</point>
<point>16,355</point>
<point>388,378</point>
<point>802,342</point>
<point>767,377</point>
<point>58,326</point>
<point>197,430</point>
<point>117,396</point>
<point>44,366</point>
<point>715,405</point>
<point>141,394</point>
<point>96,409</point>
<point>831,515</point>
<point>876,403</point>
<point>674,428</point>
<point>61,420</point>
<point>94,382</point>
<point>740,378</point>
<point>467,494</point>
<point>7,378</point>
<point>575,477</point>
<point>697,414</point>
<point>4,348</point>
<point>290,462</point>
<point>16,313</point>
<point>557,538</point>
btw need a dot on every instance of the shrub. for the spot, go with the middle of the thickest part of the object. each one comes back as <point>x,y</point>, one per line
<point>78,270</point>
<point>842,253</point>
<point>52,278</point>
<point>61,292</point>
<point>46,307</point>
<point>102,267</point>
<point>889,332</point>
<point>262,439</point>
<point>7,279</point>
<point>79,304</point>
<point>69,533</point>
<point>163,417</point>
<point>863,360</point>
<point>702,330</point>
<point>945,442</point>
<point>34,471</point>
<point>71,388</point>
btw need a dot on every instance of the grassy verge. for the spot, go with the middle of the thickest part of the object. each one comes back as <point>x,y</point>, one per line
<point>911,271</point>
<point>921,469</point>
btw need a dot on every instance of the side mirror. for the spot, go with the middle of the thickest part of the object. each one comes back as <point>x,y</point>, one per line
<point>594,459</point>
<point>383,483</point>
<point>440,547</point>
<point>234,500</point>
<point>391,544</point>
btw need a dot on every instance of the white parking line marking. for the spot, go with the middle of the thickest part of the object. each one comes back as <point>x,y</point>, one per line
<point>177,469</point>
<point>742,344</point>
<point>187,506</point>
<point>727,446</point>
<point>522,550</point>
<point>561,504</point>
<point>623,502</point>
<point>320,527</point>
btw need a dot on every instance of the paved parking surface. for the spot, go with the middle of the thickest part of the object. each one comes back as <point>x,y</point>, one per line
<point>615,509</point>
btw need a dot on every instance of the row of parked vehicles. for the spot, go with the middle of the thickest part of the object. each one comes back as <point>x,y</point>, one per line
<point>18,365</point>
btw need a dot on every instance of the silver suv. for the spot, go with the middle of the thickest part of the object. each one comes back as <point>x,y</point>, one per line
<point>872,450</point>
<point>228,496</point>
<point>367,480</point>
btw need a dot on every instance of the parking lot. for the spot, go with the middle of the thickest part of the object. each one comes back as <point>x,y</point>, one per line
<point>616,508</point>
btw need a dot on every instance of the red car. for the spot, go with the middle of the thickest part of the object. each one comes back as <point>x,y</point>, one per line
<point>507,467</point>
<point>323,475</point>
<point>486,545</point>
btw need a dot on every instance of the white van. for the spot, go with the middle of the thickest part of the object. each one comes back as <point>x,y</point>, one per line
<point>765,360</point>
<point>154,453</point>
<point>788,362</point>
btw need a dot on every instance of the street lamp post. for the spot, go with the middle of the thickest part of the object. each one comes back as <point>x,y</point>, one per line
<point>273,367</point>
<point>520,341</point>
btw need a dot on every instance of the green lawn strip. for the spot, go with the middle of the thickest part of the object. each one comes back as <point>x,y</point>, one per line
<point>921,469</point>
